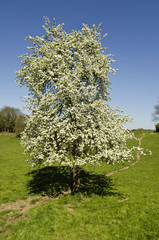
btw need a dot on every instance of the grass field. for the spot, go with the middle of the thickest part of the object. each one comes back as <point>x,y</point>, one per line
<point>123,206</point>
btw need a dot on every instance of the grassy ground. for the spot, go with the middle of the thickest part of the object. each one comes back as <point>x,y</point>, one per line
<point>13,170</point>
<point>123,206</point>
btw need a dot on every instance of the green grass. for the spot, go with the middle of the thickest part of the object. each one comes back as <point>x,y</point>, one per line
<point>13,170</point>
<point>127,210</point>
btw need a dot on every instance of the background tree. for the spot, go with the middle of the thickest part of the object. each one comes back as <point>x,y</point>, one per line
<point>8,116</point>
<point>71,122</point>
<point>1,123</point>
<point>20,124</point>
<point>157,127</point>
<point>155,115</point>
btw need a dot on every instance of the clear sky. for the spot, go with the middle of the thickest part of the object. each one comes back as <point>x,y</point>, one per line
<point>133,38</point>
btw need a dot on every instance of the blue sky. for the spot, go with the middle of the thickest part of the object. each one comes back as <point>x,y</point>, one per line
<point>133,38</point>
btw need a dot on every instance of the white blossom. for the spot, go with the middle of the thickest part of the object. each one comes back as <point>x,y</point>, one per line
<point>71,121</point>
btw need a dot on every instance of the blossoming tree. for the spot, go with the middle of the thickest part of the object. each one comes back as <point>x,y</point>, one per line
<point>71,122</point>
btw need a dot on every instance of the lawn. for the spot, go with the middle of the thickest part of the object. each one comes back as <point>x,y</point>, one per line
<point>13,169</point>
<point>123,206</point>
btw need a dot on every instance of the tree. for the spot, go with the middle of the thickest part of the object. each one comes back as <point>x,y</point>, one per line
<point>155,115</point>
<point>1,123</point>
<point>71,122</point>
<point>20,123</point>
<point>157,127</point>
<point>8,116</point>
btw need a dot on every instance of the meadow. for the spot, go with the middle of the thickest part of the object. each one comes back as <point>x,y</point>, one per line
<point>35,203</point>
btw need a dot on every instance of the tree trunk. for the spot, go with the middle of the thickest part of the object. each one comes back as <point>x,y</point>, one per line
<point>76,179</point>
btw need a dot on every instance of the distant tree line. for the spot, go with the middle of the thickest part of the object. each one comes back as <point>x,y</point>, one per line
<point>12,120</point>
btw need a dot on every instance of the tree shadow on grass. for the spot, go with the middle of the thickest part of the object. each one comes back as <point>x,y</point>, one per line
<point>53,181</point>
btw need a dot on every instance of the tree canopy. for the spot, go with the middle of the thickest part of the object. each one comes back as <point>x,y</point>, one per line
<point>68,82</point>
<point>20,123</point>
<point>155,115</point>
<point>8,117</point>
